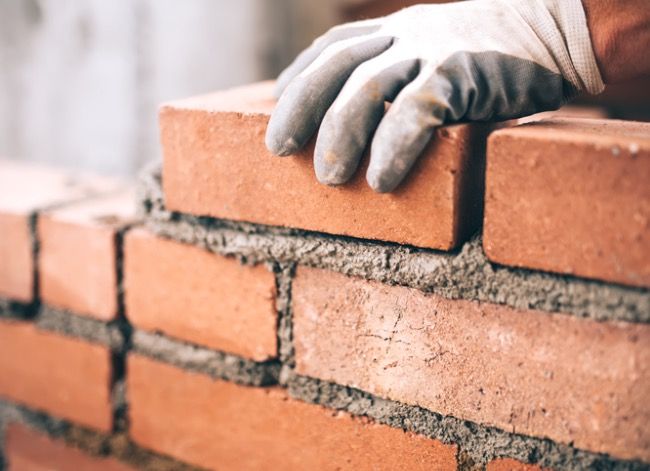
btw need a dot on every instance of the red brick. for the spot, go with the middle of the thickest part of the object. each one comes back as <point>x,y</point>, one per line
<point>28,450</point>
<point>65,377</point>
<point>16,261</point>
<point>571,196</point>
<point>194,295</point>
<point>25,188</point>
<point>216,424</point>
<point>216,164</point>
<point>508,464</point>
<point>547,375</point>
<point>78,254</point>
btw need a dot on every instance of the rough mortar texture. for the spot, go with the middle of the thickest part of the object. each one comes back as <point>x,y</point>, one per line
<point>72,325</point>
<point>202,360</point>
<point>465,274</point>
<point>477,444</point>
<point>283,276</point>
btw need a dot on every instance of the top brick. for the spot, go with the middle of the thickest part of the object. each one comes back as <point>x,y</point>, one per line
<point>216,164</point>
<point>571,196</point>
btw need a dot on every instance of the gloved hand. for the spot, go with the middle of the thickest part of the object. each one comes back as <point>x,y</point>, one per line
<point>478,60</point>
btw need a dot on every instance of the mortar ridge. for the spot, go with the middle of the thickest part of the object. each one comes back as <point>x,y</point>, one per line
<point>216,364</point>
<point>67,323</point>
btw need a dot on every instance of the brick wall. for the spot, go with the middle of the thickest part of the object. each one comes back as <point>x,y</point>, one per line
<point>245,317</point>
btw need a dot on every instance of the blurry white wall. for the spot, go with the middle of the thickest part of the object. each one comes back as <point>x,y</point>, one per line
<point>81,80</point>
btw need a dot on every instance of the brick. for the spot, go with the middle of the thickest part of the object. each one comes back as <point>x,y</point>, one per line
<point>24,189</point>
<point>216,164</point>
<point>65,377</point>
<point>571,196</point>
<point>216,424</point>
<point>78,254</point>
<point>29,450</point>
<point>16,261</point>
<point>194,295</point>
<point>508,464</point>
<point>548,375</point>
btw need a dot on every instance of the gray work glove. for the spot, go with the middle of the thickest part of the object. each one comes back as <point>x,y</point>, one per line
<point>478,60</point>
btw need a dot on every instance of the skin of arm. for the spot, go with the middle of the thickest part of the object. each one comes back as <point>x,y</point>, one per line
<point>620,36</point>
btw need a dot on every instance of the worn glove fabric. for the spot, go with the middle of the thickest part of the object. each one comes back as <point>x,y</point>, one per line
<point>477,60</point>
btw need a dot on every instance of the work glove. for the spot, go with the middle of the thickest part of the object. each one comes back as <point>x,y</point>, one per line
<point>478,60</point>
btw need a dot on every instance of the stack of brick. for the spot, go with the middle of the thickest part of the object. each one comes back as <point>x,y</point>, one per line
<point>253,319</point>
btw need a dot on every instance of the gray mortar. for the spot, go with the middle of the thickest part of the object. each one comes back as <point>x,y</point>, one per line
<point>119,405</point>
<point>86,328</point>
<point>477,444</point>
<point>283,277</point>
<point>202,360</point>
<point>93,443</point>
<point>465,274</point>
<point>16,310</point>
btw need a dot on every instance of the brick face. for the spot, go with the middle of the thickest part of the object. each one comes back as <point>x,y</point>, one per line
<point>571,196</point>
<point>65,377</point>
<point>78,254</point>
<point>216,164</point>
<point>16,261</point>
<point>215,424</point>
<point>197,296</point>
<point>547,375</point>
<point>28,450</point>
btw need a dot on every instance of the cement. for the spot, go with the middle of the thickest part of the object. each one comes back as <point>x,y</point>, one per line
<point>15,310</point>
<point>86,328</point>
<point>477,444</point>
<point>202,360</point>
<point>465,274</point>
<point>283,277</point>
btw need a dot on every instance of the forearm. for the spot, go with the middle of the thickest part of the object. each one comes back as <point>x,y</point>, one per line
<point>620,34</point>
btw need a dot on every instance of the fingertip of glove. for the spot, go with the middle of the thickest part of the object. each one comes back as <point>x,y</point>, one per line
<point>329,179</point>
<point>281,148</point>
<point>379,182</point>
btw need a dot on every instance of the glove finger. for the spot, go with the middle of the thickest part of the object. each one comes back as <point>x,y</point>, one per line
<point>304,102</point>
<point>306,57</point>
<point>406,129</point>
<point>353,117</point>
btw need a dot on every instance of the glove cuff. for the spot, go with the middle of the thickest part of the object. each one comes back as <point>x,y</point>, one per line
<point>562,26</point>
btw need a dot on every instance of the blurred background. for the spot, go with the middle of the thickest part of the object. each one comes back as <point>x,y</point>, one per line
<point>81,80</point>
